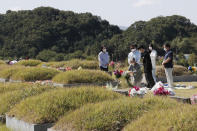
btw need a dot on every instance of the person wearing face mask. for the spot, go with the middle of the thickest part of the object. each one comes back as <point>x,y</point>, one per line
<point>103,58</point>
<point>135,72</point>
<point>147,67</point>
<point>168,64</point>
<point>153,56</point>
<point>134,54</point>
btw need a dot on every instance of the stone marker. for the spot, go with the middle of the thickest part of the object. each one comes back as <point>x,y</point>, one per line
<point>181,99</point>
<point>19,125</point>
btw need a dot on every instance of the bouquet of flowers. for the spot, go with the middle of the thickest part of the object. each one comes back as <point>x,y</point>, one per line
<point>192,69</point>
<point>161,91</point>
<point>137,91</point>
<point>68,68</point>
<point>118,73</point>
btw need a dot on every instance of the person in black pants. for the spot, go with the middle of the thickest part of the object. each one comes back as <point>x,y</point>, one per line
<point>147,67</point>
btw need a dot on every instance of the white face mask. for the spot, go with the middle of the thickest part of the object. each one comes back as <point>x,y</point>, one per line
<point>165,49</point>
<point>150,48</point>
<point>104,50</point>
<point>133,50</point>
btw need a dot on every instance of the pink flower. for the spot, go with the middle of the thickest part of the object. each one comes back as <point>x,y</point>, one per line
<point>112,63</point>
<point>68,68</point>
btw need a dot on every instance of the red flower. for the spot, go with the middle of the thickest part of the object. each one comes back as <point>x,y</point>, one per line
<point>121,72</point>
<point>161,91</point>
<point>136,88</point>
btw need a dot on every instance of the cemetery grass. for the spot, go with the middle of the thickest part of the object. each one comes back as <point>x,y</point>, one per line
<point>112,114</point>
<point>82,76</point>
<point>3,127</point>
<point>34,73</point>
<point>48,107</point>
<point>9,99</point>
<point>181,118</point>
<point>29,62</point>
<point>74,64</point>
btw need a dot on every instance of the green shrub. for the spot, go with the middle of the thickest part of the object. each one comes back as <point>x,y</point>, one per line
<point>82,76</point>
<point>34,73</point>
<point>50,106</point>
<point>110,115</point>
<point>177,71</point>
<point>29,62</point>
<point>8,71</point>
<point>9,99</point>
<point>6,87</point>
<point>182,118</point>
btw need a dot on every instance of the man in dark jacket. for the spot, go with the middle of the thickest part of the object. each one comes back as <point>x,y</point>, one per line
<point>147,67</point>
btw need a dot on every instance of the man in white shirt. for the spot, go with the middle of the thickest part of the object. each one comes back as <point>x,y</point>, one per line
<point>134,54</point>
<point>153,56</point>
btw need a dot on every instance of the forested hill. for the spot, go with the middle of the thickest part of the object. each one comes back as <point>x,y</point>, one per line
<point>48,32</point>
<point>177,30</point>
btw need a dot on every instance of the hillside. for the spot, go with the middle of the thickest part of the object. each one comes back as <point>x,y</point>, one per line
<point>48,32</point>
<point>177,30</point>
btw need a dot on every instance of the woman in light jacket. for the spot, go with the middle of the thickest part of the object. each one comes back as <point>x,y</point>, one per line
<point>153,56</point>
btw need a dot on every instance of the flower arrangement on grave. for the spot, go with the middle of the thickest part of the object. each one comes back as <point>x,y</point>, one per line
<point>118,73</point>
<point>192,69</point>
<point>137,91</point>
<point>161,91</point>
<point>112,64</point>
<point>68,68</point>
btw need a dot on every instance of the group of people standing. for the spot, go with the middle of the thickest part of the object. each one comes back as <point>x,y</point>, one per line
<point>148,58</point>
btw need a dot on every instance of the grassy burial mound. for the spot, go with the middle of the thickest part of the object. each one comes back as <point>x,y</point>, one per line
<point>7,87</point>
<point>182,118</point>
<point>74,64</point>
<point>50,106</point>
<point>7,71</point>
<point>82,76</point>
<point>29,62</point>
<point>9,99</point>
<point>111,115</point>
<point>34,73</point>
<point>177,71</point>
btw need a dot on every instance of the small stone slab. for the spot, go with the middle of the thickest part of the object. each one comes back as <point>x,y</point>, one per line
<point>181,99</point>
<point>51,129</point>
<point>15,81</point>
<point>114,83</point>
<point>122,91</point>
<point>3,80</point>
<point>19,125</point>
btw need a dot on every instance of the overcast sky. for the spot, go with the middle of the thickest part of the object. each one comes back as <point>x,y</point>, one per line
<point>118,12</point>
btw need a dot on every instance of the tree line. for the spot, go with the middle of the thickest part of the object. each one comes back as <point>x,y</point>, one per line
<point>50,34</point>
